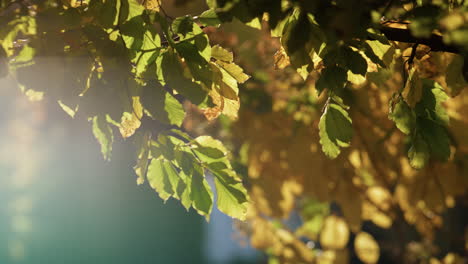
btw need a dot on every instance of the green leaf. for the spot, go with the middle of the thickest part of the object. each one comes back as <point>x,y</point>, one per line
<point>231,198</point>
<point>221,54</point>
<point>184,190</point>
<point>347,58</point>
<point>196,62</point>
<point>143,43</point>
<point>231,194</point>
<point>201,193</point>
<point>430,106</point>
<point>172,179</point>
<point>224,83</point>
<point>143,145</point>
<point>418,153</point>
<point>332,78</point>
<point>173,75</point>
<point>436,138</point>
<point>163,178</point>
<point>413,89</point>
<point>297,33</point>
<point>234,71</point>
<point>209,149</point>
<point>403,116</point>
<point>335,130</point>
<point>129,9</point>
<point>103,133</point>
<point>209,18</point>
<point>300,38</point>
<point>185,160</point>
<point>25,55</point>
<point>133,32</point>
<point>380,53</point>
<point>67,109</point>
<point>190,33</point>
<point>356,63</point>
<point>161,105</point>
<point>158,178</point>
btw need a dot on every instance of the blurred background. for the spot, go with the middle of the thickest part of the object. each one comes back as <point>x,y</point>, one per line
<point>62,203</point>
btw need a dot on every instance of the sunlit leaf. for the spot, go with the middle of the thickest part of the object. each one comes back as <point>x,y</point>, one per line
<point>335,233</point>
<point>335,130</point>
<point>159,178</point>
<point>143,154</point>
<point>221,54</point>
<point>209,18</point>
<point>403,116</point>
<point>162,106</point>
<point>418,153</point>
<point>366,248</point>
<point>201,194</point>
<point>430,105</point>
<point>103,133</point>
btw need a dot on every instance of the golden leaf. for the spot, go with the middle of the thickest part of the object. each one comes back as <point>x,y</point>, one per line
<point>130,123</point>
<point>335,233</point>
<point>281,59</point>
<point>334,257</point>
<point>223,105</point>
<point>152,5</point>
<point>374,209</point>
<point>366,248</point>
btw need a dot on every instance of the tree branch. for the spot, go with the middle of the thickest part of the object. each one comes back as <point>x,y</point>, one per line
<point>435,41</point>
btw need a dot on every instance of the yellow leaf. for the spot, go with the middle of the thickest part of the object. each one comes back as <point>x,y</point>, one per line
<point>34,96</point>
<point>334,257</point>
<point>375,209</point>
<point>130,123</point>
<point>152,5</point>
<point>453,258</point>
<point>335,233</point>
<point>223,105</point>
<point>281,59</point>
<point>366,248</point>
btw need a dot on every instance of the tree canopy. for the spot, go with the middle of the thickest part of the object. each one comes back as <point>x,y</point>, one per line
<point>348,115</point>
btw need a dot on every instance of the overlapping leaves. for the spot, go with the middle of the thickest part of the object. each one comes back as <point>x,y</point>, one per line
<point>134,78</point>
<point>425,123</point>
<point>179,167</point>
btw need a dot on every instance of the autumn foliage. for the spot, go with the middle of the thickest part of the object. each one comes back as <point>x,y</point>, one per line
<point>340,125</point>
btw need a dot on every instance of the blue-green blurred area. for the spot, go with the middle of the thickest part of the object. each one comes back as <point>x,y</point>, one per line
<point>61,203</point>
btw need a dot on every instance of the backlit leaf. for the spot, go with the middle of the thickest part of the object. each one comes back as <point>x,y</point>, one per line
<point>418,153</point>
<point>158,178</point>
<point>221,54</point>
<point>201,194</point>
<point>335,233</point>
<point>209,18</point>
<point>103,133</point>
<point>332,78</point>
<point>143,151</point>
<point>366,248</point>
<point>335,130</point>
<point>403,116</point>
<point>162,106</point>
